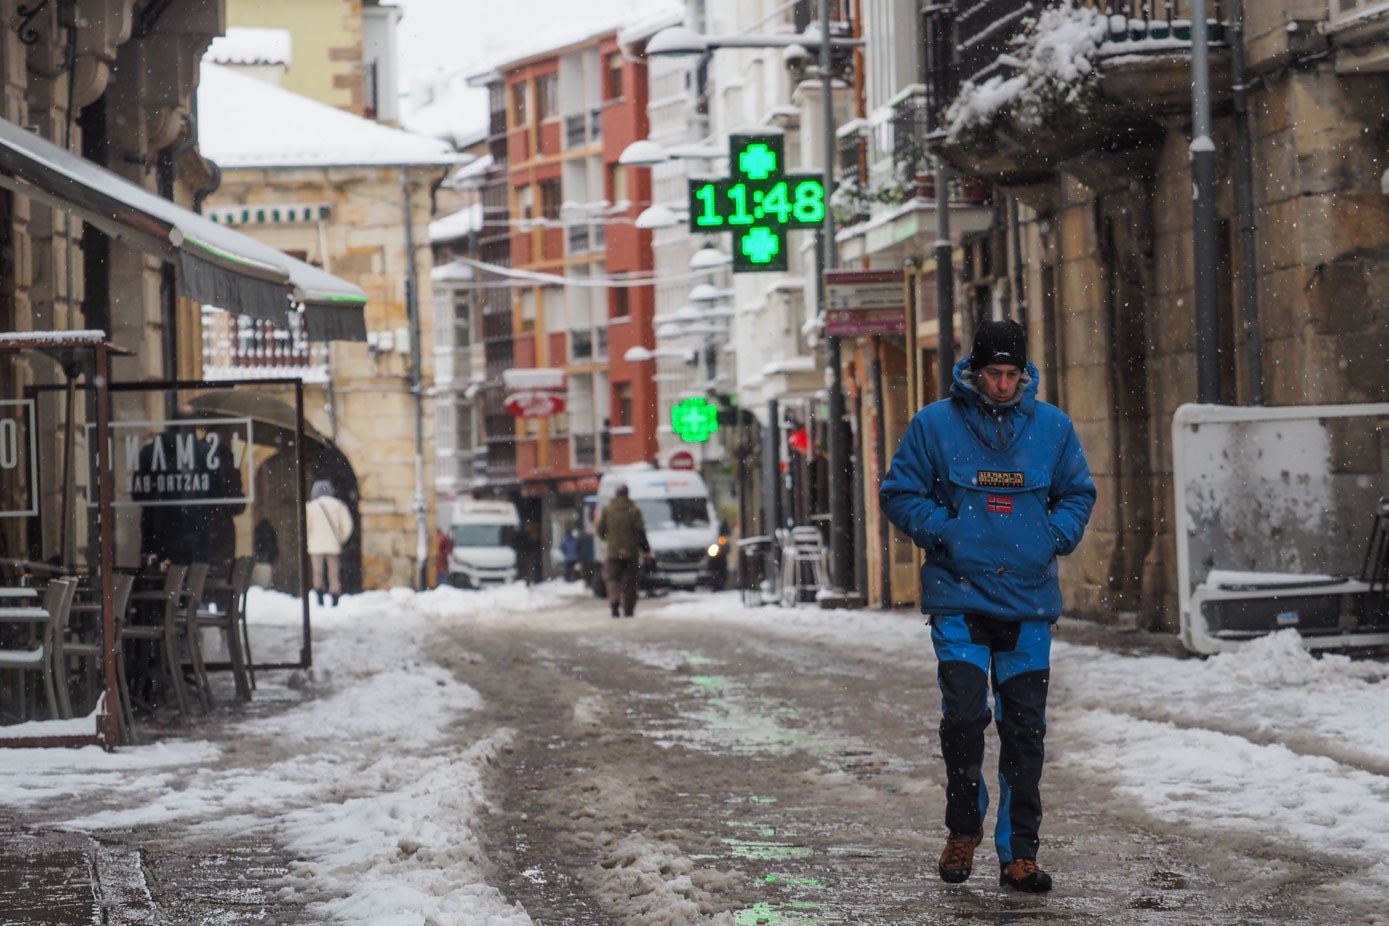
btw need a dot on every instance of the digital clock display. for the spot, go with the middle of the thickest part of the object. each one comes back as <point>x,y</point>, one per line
<point>758,203</point>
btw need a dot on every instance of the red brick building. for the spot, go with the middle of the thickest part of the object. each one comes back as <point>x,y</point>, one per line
<point>579,279</point>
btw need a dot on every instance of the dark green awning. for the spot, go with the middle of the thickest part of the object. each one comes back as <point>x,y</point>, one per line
<point>216,265</point>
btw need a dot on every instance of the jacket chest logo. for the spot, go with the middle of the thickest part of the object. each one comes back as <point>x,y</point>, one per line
<point>1001,504</point>
<point>997,479</point>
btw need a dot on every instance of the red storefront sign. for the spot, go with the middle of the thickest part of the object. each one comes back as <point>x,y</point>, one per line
<point>534,403</point>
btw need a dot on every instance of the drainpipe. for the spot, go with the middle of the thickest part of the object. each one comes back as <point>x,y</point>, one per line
<point>1015,232</point>
<point>880,464</point>
<point>1203,173</point>
<point>412,311</point>
<point>945,286</point>
<point>1244,185</point>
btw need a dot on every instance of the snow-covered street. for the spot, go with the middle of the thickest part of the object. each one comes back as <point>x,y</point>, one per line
<point>516,756</point>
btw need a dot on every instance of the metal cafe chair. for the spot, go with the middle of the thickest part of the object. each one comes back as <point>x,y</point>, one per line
<point>186,630</point>
<point>41,654</point>
<point>162,605</point>
<point>229,618</point>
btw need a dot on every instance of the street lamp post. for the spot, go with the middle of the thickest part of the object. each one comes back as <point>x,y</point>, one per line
<point>840,481</point>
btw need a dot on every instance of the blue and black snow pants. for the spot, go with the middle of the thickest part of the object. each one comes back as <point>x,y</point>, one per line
<point>974,652</point>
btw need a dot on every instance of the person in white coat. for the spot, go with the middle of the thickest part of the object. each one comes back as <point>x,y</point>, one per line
<point>328,525</point>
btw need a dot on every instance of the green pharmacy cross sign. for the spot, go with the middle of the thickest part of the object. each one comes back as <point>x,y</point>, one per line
<point>695,420</point>
<point>759,202</point>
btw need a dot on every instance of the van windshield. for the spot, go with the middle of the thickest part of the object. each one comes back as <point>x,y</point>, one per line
<point>665,513</point>
<point>479,535</point>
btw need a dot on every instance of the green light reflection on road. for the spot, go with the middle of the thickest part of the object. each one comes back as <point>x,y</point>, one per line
<point>767,850</point>
<point>796,913</point>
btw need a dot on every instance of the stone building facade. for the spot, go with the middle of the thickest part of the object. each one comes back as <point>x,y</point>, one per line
<point>1105,234</point>
<point>357,200</point>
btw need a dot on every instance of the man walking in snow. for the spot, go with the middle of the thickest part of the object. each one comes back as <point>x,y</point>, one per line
<point>623,529</point>
<point>993,485</point>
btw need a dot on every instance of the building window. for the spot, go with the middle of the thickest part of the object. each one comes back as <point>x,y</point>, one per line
<point>624,406</point>
<point>462,321</point>
<point>551,197</point>
<point>613,90</point>
<point>621,304</point>
<point>546,97</point>
<point>463,423</point>
<point>519,114</point>
<point>617,183</point>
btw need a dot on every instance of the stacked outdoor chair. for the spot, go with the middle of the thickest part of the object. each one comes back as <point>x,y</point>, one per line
<point>804,564</point>
<point>45,652</point>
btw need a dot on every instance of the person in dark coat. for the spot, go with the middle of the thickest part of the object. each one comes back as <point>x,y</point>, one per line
<point>265,547</point>
<point>623,529</point>
<point>993,485</point>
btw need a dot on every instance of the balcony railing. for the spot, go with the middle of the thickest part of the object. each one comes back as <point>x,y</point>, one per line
<point>986,29</point>
<point>578,239</point>
<point>583,128</point>
<point>580,344</point>
<point>584,448</point>
<point>1342,10</point>
<point>241,344</point>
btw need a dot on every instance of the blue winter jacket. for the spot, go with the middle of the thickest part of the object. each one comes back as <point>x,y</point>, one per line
<point>993,494</point>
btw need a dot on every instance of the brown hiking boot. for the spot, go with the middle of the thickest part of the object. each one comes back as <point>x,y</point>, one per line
<point>1024,875</point>
<point>957,861</point>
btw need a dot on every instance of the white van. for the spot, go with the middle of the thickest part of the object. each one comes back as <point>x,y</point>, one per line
<point>688,546</point>
<point>483,536</point>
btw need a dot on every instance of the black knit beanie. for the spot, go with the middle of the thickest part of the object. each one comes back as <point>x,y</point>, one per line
<point>999,342</point>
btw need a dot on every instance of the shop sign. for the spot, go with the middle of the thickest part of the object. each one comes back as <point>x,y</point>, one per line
<point>864,302</point>
<point>19,478</point>
<point>534,403</point>
<point>186,461</point>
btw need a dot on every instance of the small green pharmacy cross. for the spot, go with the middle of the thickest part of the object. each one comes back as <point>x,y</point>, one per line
<point>759,202</point>
<point>695,420</point>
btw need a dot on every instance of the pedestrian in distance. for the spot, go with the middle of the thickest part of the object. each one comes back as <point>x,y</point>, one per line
<point>328,525</point>
<point>992,484</point>
<point>623,529</point>
<point>572,552</point>
<point>265,547</point>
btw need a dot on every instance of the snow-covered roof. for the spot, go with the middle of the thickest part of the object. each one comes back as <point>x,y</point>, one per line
<point>245,45</point>
<point>548,39</point>
<point>456,224</point>
<point>453,272</point>
<point>244,122</point>
<point>445,106</point>
<point>470,174</point>
<point>646,27</point>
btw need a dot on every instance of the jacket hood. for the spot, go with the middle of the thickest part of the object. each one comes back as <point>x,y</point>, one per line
<point>994,424</point>
<point>321,488</point>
